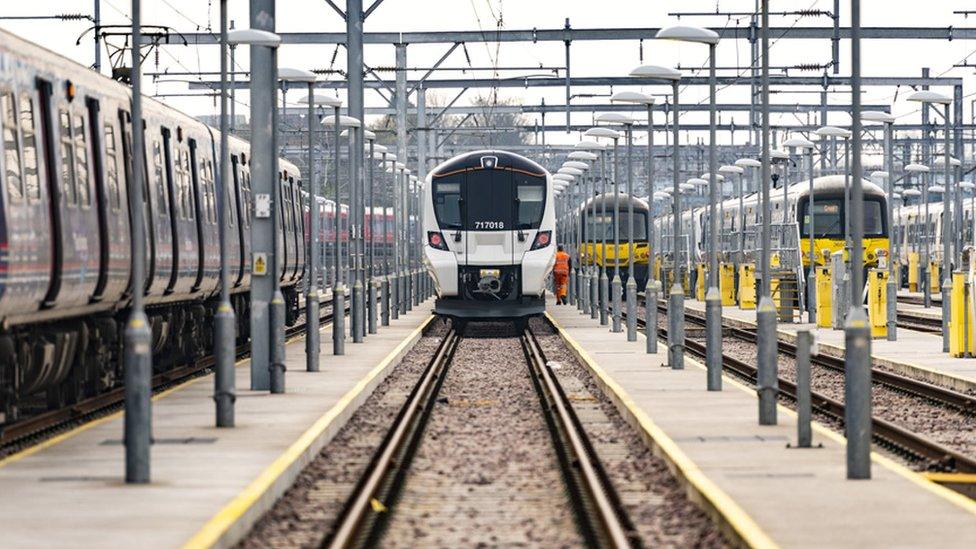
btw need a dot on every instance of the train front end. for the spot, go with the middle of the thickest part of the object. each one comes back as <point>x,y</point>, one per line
<point>489,229</point>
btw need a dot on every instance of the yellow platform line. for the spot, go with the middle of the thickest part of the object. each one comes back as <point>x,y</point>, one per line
<point>951,478</point>
<point>218,525</point>
<point>74,431</point>
<point>741,523</point>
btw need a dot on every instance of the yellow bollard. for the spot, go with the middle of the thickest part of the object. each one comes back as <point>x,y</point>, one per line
<point>959,321</point>
<point>825,299</point>
<point>878,302</point>
<point>726,283</point>
<point>747,286</point>
<point>935,281</point>
<point>913,272</point>
<point>702,271</point>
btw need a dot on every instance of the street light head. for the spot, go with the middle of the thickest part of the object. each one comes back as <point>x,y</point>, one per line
<point>877,116</point>
<point>289,74</point>
<point>748,163</point>
<point>686,187</point>
<point>253,37</point>
<point>798,142</point>
<point>911,192</point>
<point>968,185</point>
<point>344,121</point>
<point>731,169</point>
<point>632,97</point>
<point>879,175</point>
<point>400,166</point>
<point>590,145</point>
<point>576,164</point>
<point>936,189</point>
<point>916,168</point>
<point>661,195</point>
<point>570,171</point>
<point>929,96</point>
<point>953,161</point>
<point>582,155</point>
<point>563,177</point>
<point>614,118</point>
<point>322,100</point>
<point>658,72</point>
<point>684,33</point>
<point>379,149</point>
<point>832,131</point>
<point>895,196</point>
<point>718,177</point>
<point>778,154</point>
<point>369,136</point>
<point>602,132</point>
<point>697,181</point>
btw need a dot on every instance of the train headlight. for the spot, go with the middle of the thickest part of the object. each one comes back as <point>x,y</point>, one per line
<point>436,240</point>
<point>542,239</point>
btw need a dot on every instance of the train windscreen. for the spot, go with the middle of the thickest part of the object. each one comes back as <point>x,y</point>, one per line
<point>489,200</point>
<point>602,227</point>
<point>828,214</point>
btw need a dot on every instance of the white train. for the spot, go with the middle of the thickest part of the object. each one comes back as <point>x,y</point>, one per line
<point>489,223</point>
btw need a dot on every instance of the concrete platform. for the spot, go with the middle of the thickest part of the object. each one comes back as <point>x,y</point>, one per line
<point>914,353</point>
<point>209,484</point>
<point>766,494</point>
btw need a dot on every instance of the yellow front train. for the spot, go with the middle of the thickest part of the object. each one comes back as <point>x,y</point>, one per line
<point>597,217</point>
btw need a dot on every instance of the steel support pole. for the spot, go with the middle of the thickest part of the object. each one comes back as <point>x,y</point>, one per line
<point>604,280</point>
<point>713,299</point>
<point>812,273</point>
<point>263,178</point>
<point>225,350</point>
<point>676,299</point>
<point>354,62</point>
<point>857,330</point>
<point>371,288</point>
<point>594,275</point>
<point>137,354</point>
<point>947,234</point>
<point>653,286</point>
<point>313,345</point>
<point>804,350</point>
<point>767,381</point>
<point>338,288</point>
<point>891,288</point>
<point>616,288</point>
<point>631,288</point>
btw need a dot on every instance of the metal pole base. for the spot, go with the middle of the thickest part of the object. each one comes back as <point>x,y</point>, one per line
<point>594,296</point>
<point>357,312</point>
<point>138,398</point>
<point>650,314</point>
<point>616,289</point>
<point>339,320</point>
<point>631,288</point>
<point>583,287</point>
<point>572,287</point>
<point>312,338</point>
<point>385,301</point>
<point>767,382</point>
<point>891,302</point>
<point>225,353</point>
<point>676,328</point>
<point>946,308</point>
<point>277,366</point>
<point>857,393</point>
<point>713,338</point>
<point>812,296</point>
<point>604,293</point>
<point>371,306</point>
<point>411,289</point>
<point>404,288</point>
<point>394,296</point>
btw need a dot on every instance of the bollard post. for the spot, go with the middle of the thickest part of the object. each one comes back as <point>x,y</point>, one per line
<point>650,314</point>
<point>616,289</point>
<point>385,300</point>
<point>339,320</point>
<point>572,287</point>
<point>394,296</point>
<point>604,291</point>
<point>594,296</point>
<point>371,305</point>
<point>805,348</point>
<point>838,308</point>
<point>946,307</point>
<point>277,366</point>
<point>891,289</point>
<point>767,382</point>
<point>631,309</point>
<point>713,342</point>
<point>676,327</point>
<point>857,393</point>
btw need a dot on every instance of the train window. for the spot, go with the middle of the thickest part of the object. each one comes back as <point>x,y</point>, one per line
<point>247,198</point>
<point>67,165</point>
<point>32,185</point>
<point>162,198</point>
<point>828,220</point>
<point>531,194</point>
<point>112,167</point>
<point>81,161</point>
<point>447,201</point>
<point>187,189</point>
<point>11,158</point>
<point>874,224</point>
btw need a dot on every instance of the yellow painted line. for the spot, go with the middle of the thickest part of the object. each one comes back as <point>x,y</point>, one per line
<point>736,517</point>
<point>951,478</point>
<point>57,439</point>
<point>214,529</point>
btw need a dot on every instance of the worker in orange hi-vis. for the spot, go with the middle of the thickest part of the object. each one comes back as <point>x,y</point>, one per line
<point>560,275</point>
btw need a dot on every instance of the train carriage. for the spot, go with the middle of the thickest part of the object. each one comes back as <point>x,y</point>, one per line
<point>597,217</point>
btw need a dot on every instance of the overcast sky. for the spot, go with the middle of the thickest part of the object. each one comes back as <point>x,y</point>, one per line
<point>880,57</point>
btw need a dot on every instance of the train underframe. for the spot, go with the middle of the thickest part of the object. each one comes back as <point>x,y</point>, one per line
<point>50,365</point>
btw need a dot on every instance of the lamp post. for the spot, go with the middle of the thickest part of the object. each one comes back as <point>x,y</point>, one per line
<point>922,229</point>
<point>616,287</point>
<point>339,290</point>
<point>934,98</point>
<point>891,288</point>
<point>575,279</point>
<point>584,257</point>
<point>713,299</point>
<point>361,306</point>
<point>730,171</point>
<point>676,336</point>
<point>604,280</point>
<point>595,269</point>
<point>811,279</point>
<point>376,152</point>
<point>388,165</point>
<point>744,163</point>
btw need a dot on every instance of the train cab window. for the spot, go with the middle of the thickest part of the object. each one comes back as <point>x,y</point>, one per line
<point>112,168</point>
<point>81,161</point>
<point>874,222</point>
<point>530,191</point>
<point>32,185</point>
<point>447,201</point>
<point>67,165</point>
<point>11,151</point>
<point>827,218</point>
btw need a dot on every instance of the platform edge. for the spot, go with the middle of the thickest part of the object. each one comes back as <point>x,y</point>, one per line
<point>236,518</point>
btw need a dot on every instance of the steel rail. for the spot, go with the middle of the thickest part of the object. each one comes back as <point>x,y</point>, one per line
<point>606,524</point>
<point>39,424</point>
<point>361,521</point>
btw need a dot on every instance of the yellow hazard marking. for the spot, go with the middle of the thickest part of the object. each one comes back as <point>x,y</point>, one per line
<point>218,525</point>
<point>377,506</point>
<point>951,478</point>
<point>260,266</point>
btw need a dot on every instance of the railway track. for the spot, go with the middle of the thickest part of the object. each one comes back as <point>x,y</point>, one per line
<point>25,431</point>
<point>601,519</point>
<point>919,323</point>
<point>911,445</point>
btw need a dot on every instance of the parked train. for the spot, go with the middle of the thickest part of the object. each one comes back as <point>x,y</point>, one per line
<point>489,221</point>
<point>829,216</point>
<point>597,217</point>
<point>65,236</point>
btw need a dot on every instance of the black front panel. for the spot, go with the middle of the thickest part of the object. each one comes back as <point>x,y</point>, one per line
<point>480,283</point>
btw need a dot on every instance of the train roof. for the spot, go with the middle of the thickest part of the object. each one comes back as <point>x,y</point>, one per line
<point>496,159</point>
<point>608,198</point>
